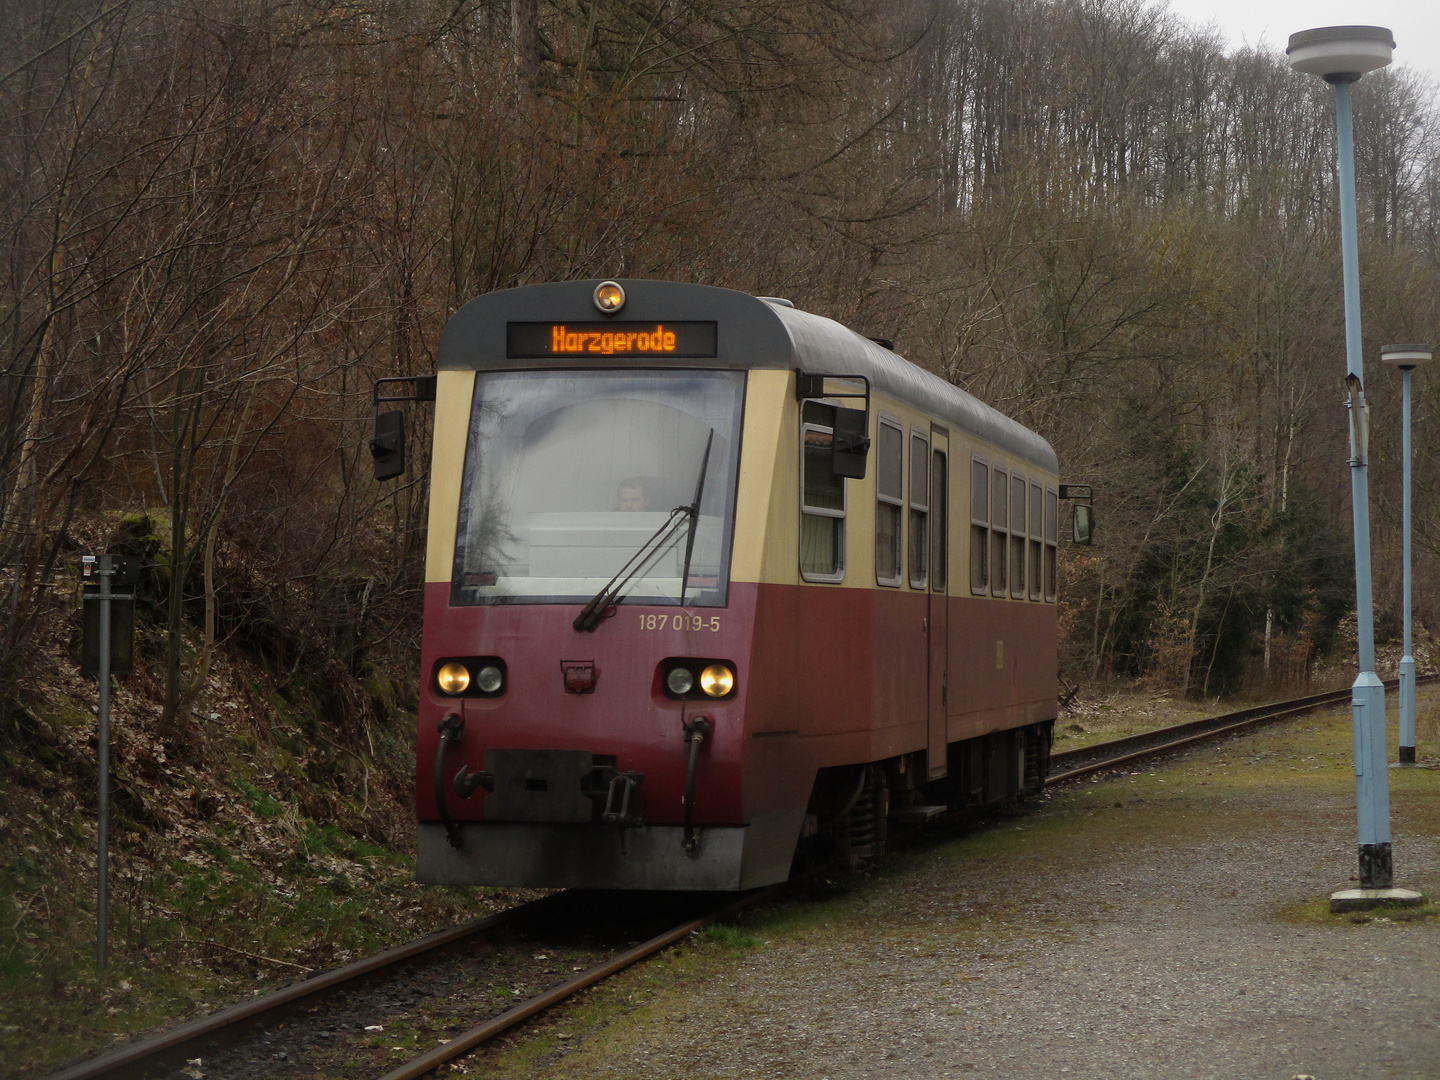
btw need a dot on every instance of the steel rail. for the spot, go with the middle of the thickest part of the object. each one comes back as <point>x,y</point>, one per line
<point>137,1054</point>
<point>1108,754</point>
<point>469,1040</point>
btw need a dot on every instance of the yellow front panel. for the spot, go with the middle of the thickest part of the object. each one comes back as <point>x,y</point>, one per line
<point>453,395</point>
<point>767,525</point>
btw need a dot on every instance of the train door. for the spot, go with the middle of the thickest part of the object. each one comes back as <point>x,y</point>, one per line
<point>938,622</point>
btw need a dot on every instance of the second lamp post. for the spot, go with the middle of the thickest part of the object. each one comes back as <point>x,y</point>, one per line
<point>1406,358</point>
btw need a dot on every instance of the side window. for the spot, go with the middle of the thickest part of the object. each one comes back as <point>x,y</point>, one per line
<point>1037,547</point>
<point>979,526</point>
<point>1017,537</point>
<point>1052,535</point>
<point>889,495</point>
<point>822,498</point>
<point>999,528</point>
<point>919,509</point>
<point>939,521</point>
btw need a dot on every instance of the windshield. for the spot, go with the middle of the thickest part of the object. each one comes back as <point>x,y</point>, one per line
<point>569,473</point>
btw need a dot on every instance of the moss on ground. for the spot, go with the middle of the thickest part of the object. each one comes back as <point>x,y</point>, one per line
<point>1316,912</point>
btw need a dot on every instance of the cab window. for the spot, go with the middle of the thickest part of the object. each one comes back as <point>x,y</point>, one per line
<point>999,530</point>
<point>1037,546</point>
<point>1052,536</point>
<point>822,497</point>
<point>939,530</point>
<point>1017,537</point>
<point>979,527</point>
<point>889,496</point>
<point>919,509</point>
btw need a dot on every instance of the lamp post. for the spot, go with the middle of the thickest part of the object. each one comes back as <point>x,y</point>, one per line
<point>1341,55</point>
<point>1406,358</point>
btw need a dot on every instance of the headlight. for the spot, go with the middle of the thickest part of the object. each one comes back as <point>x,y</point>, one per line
<point>490,679</point>
<point>717,680</point>
<point>680,681</point>
<point>455,678</point>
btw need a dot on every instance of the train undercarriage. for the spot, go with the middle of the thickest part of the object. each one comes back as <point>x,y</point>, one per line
<point>846,823</point>
<point>852,807</point>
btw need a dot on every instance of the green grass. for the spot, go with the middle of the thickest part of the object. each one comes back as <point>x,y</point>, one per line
<point>1316,912</point>
<point>731,937</point>
<point>260,802</point>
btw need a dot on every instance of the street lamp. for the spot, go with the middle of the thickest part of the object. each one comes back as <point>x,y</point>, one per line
<point>1406,358</point>
<point>1341,55</point>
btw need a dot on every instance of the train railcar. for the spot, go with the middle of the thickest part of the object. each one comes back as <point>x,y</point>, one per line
<point>714,584</point>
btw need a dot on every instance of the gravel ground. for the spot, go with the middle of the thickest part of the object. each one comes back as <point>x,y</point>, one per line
<point>1165,923</point>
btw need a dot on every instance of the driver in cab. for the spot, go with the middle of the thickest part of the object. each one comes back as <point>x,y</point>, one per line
<point>632,496</point>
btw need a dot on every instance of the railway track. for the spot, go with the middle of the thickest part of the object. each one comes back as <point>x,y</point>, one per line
<point>469,1040</point>
<point>235,1043</point>
<point>170,1046</point>
<point>174,1047</point>
<point>1069,764</point>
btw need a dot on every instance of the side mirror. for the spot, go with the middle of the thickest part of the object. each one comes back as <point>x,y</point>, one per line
<point>1083,524</point>
<point>852,443</point>
<point>387,446</point>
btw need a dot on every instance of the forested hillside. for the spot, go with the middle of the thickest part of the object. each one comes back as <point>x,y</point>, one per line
<point>222,221</point>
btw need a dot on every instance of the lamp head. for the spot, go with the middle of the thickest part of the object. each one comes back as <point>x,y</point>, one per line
<point>1406,357</point>
<point>1340,53</point>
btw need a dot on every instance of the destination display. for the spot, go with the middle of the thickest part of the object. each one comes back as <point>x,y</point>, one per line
<point>682,340</point>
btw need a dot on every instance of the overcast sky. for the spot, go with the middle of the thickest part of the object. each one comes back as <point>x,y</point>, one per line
<point>1415,23</point>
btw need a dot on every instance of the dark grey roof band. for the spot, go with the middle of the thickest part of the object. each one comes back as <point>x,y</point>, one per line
<point>752,333</point>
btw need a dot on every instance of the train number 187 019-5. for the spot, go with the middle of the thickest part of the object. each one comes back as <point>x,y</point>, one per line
<point>679,621</point>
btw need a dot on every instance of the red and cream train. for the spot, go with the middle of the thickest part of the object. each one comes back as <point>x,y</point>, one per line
<point>714,583</point>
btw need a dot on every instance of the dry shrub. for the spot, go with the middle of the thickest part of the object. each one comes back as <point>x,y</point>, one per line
<point>1169,652</point>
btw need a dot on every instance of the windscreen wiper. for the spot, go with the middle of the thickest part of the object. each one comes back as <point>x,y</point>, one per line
<point>592,612</point>
<point>695,516</point>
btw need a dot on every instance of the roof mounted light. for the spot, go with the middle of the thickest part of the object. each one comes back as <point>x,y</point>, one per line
<point>609,297</point>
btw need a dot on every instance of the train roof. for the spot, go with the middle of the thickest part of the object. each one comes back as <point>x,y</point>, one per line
<point>751,333</point>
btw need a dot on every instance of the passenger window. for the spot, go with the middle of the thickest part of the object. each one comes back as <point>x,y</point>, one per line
<point>822,498</point>
<point>1037,547</point>
<point>1052,534</point>
<point>889,495</point>
<point>1017,537</point>
<point>919,509</point>
<point>939,527</point>
<point>979,526</point>
<point>999,527</point>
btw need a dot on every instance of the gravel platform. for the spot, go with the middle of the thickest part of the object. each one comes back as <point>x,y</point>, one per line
<point>1167,922</point>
